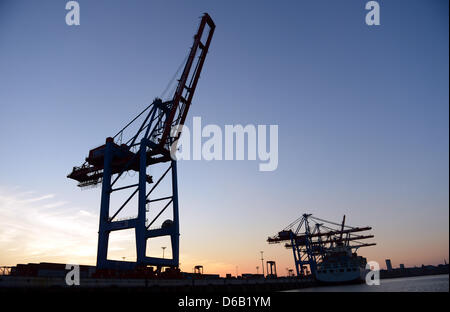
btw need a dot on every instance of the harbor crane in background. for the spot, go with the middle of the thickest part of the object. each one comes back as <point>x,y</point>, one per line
<point>312,240</point>
<point>158,129</point>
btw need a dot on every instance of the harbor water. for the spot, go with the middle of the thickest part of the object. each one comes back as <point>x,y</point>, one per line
<point>433,283</point>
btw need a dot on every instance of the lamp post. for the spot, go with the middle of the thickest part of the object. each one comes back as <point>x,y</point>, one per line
<point>262,261</point>
<point>163,251</point>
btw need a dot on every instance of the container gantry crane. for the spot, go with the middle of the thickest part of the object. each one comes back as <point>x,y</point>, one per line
<point>156,136</point>
<point>311,238</point>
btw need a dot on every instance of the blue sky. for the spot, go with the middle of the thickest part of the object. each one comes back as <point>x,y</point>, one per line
<point>362,115</point>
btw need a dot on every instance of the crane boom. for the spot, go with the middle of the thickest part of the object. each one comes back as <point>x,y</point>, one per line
<point>184,93</point>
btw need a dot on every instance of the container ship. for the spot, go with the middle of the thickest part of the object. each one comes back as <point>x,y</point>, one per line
<point>325,250</point>
<point>341,265</point>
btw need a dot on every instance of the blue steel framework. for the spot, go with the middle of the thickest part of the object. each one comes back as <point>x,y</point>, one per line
<point>142,229</point>
<point>156,137</point>
<point>302,258</point>
<point>309,244</point>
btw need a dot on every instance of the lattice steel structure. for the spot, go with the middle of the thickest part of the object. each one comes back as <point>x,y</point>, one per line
<point>152,144</point>
<point>311,238</point>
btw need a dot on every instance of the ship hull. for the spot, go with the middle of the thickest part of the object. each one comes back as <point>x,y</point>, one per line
<point>338,277</point>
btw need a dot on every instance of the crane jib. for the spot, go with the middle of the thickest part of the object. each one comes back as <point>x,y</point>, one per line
<point>184,93</point>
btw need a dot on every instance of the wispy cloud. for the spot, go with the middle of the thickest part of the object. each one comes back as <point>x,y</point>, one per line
<point>36,199</point>
<point>86,213</point>
<point>45,228</point>
<point>56,204</point>
<point>32,230</point>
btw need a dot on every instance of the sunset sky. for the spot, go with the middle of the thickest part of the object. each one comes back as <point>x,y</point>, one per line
<point>362,114</point>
